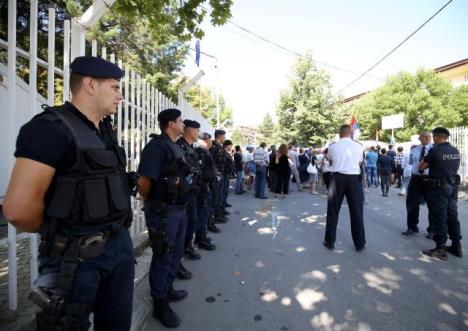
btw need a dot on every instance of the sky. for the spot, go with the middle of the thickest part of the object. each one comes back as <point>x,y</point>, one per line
<point>348,34</point>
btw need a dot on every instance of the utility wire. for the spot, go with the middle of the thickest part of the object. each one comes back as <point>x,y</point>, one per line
<point>396,47</point>
<point>287,50</point>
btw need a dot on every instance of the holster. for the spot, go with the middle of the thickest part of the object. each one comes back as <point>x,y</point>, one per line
<point>160,242</point>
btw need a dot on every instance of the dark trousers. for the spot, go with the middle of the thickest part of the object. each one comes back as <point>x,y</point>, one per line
<point>282,185</point>
<point>385,182</point>
<point>164,268</point>
<point>260,181</point>
<point>204,210</point>
<point>416,193</point>
<point>442,204</point>
<point>326,178</point>
<point>342,185</point>
<point>105,281</point>
<point>398,174</point>
<point>192,217</point>
<point>218,197</point>
<point>226,180</point>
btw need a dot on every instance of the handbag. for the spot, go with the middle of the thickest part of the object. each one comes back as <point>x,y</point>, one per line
<point>312,169</point>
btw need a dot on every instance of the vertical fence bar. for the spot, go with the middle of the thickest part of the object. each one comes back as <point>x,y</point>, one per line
<point>126,102</point>
<point>94,47</point>
<point>132,123</point>
<point>112,58</point>
<point>12,266</point>
<point>119,111</point>
<point>51,58</point>
<point>33,57</point>
<point>66,60</point>
<point>104,53</point>
<point>143,116</point>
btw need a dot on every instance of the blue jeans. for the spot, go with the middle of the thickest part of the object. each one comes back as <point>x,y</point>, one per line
<point>260,181</point>
<point>372,177</point>
<point>240,176</point>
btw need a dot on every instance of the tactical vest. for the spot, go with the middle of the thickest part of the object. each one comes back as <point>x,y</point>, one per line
<point>193,163</point>
<point>173,178</point>
<point>219,158</point>
<point>208,173</point>
<point>94,190</point>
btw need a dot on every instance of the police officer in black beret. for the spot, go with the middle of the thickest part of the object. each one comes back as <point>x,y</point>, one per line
<point>205,196</point>
<point>162,185</point>
<point>218,154</point>
<point>443,161</point>
<point>190,136</point>
<point>69,184</point>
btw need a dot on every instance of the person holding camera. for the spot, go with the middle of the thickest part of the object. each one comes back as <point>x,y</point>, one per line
<point>163,186</point>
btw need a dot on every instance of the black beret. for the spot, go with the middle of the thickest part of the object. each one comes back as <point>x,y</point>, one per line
<point>96,67</point>
<point>169,114</point>
<point>192,124</point>
<point>219,132</point>
<point>204,135</point>
<point>440,131</point>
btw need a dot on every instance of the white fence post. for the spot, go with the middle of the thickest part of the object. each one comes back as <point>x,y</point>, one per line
<point>66,60</point>
<point>51,58</point>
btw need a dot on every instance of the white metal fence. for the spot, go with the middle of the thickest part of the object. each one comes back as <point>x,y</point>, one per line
<point>136,118</point>
<point>459,139</point>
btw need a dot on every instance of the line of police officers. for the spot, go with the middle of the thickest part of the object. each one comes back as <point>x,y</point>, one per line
<point>70,184</point>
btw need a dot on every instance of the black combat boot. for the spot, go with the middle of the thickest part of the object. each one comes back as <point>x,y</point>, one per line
<point>212,226</point>
<point>191,253</point>
<point>163,313</point>
<point>203,243</point>
<point>228,205</point>
<point>440,252</point>
<point>455,248</point>
<point>220,219</point>
<point>183,273</point>
<point>176,295</point>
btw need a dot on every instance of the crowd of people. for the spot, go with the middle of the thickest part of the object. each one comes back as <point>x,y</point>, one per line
<point>70,184</point>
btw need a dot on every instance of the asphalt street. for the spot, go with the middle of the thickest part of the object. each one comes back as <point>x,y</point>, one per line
<point>271,272</point>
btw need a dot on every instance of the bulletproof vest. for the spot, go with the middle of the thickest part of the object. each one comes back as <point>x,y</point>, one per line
<point>219,157</point>
<point>207,174</point>
<point>229,163</point>
<point>173,178</point>
<point>193,163</point>
<point>95,189</point>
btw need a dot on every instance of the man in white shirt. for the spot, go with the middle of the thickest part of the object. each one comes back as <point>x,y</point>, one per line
<point>261,160</point>
<point>345,157</point>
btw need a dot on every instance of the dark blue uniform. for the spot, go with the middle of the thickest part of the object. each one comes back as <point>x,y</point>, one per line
<point>442,184</point>
<point>46,139</point>
<point>164,211</point>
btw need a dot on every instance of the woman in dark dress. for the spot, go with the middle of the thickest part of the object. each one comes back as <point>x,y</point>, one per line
<point>272,178</point>
<point>283,171</point>
<point>304,161</point>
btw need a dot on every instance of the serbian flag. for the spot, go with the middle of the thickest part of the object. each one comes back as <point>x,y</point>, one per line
<point>355,129</point>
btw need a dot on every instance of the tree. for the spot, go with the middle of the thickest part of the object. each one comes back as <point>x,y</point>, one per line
<point>150,36</point>
<point>237,137</point>
<point>425,99</point>
<point>203,99</point>
<point>266,130</point>
<point>308,113</point>
<point>458,101</point>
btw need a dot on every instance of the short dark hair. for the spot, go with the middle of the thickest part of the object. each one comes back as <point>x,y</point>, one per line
<point>383,151</point>
<point>237,148</point>
<point>263,144</point>
<point>400,148</point>
<point>345,129</point>
<point>390,146</point>
<point>227,142</point>
<point>76,80</point>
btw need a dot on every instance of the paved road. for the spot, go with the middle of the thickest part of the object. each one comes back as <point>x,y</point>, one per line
<point>271,272</point>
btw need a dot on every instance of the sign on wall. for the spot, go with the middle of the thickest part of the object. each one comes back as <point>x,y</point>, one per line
<point>392,122</point>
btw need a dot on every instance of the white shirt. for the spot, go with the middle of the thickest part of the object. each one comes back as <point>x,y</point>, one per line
<point>346,154</point>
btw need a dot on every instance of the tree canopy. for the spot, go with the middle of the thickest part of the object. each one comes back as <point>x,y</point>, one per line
<point>266,131</point>
<point>308,112</point>
<point>425,99</point>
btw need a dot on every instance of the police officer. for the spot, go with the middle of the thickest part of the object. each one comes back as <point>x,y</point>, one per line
<point>443,161</point>
<point>205,196</point>
<point>417,192</point>
<point>69,184</point>
<point>345,157</point>
<point>218,153</point>
<point>229,168</point>
<point>190,136</point>
<point>162,185</point>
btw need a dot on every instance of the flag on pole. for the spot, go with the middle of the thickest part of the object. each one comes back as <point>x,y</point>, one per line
<point>355,129</point>
<point>197,53</point>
